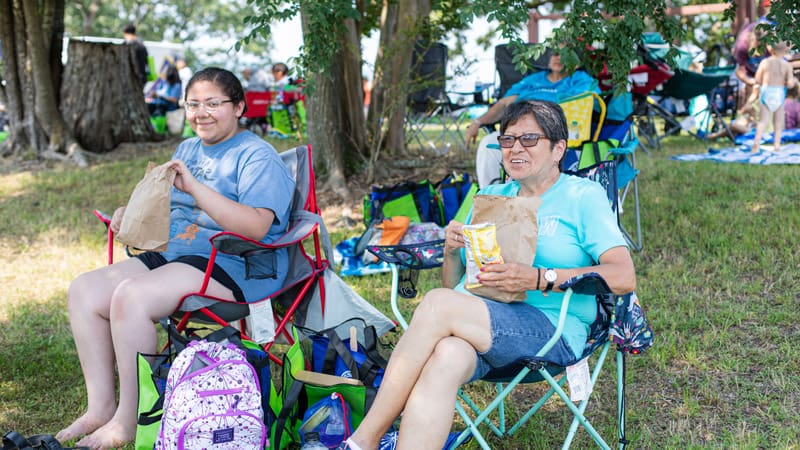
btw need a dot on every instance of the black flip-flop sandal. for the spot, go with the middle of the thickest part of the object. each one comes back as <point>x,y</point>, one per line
<point>15,441</point>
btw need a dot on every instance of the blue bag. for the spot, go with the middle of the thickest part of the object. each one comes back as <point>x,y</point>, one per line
<point>332,355</point>
<point>330,418</point>
<point>454,190</point>
<point>415,200</point>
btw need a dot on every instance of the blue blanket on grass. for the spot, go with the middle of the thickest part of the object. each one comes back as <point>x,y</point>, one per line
<point>352,265</point>
<point>789,154</point>
<point>790,135</point>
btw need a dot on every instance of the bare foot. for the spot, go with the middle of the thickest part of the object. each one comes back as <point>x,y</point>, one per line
<point>111,435</point>
<point>82,426</point>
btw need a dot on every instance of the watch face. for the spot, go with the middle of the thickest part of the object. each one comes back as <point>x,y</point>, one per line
<point>550,275</point>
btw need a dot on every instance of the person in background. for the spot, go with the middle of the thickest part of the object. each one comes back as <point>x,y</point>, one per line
<point>142,65</point>
<point>257,79</point>
<point>773,77</point>
<point>280,75</point>
<point>165,96</point>
<point>554,85</point>
<point>456,337</point>
<point>792,108</point>
<point>185,74</point>
<point>226,179</point>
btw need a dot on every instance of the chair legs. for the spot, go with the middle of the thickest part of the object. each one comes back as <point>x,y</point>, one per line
<point>498,427</point>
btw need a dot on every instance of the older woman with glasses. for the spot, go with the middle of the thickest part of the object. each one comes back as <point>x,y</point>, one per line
<point>226,179</point>
<point>456,337</point>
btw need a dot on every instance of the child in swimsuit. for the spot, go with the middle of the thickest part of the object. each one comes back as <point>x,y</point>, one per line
<point>773,76</point>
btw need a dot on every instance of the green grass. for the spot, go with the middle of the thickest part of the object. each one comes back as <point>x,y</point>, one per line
<point>718,279</point>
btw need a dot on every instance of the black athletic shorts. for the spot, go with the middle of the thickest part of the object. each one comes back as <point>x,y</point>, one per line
<point>154,260</point>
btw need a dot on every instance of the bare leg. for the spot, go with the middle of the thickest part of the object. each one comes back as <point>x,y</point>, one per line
<point>763,122</point>
<point>442,313</point>
<point>136,304</point>
<point>778,123</point>
<point>429,410</point>
<point>89,309</point>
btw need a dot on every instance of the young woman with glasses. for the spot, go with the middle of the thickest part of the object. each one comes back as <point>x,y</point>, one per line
<point>226,179</point>
<point>456,337</point>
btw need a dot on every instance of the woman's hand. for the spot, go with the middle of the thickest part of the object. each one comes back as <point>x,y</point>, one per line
<point>116,219</point>
<point>471,135</point>
<point>184,180</point>
<point>454,238</point>
<point>509,277</point>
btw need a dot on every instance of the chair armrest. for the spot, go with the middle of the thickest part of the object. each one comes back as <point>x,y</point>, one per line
<point>103,217</point>
<point>236,244</point>
<point>590,283</point>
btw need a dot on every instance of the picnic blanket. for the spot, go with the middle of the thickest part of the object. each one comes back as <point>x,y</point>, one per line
<point>789,154</point>
<point>790,135</point>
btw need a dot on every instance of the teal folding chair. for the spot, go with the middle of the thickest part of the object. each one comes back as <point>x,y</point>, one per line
<point>619,321</point>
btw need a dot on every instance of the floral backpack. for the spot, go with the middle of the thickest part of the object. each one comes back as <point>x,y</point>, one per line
<point>212,399</point>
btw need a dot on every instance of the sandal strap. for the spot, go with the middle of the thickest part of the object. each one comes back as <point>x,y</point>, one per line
<point>15,441</point>
<point>45,442</point>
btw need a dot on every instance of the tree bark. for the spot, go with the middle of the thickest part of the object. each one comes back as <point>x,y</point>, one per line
<point>396,70</point>
<point>327,126</point>
<point>101,99</point>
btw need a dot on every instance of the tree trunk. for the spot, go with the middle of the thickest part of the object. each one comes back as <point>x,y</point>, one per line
<point>101,99</point>
<point>396,69</point>
<point>326,125</point>
<point>31,36</point>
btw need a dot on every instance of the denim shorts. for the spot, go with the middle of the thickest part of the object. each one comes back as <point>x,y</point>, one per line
<point>519,331</point>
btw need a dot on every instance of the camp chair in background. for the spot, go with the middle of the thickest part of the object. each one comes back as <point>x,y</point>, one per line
<point>506,69</point>
<point>692,95</point>
<point>306,228</point>
<point>433,120</point>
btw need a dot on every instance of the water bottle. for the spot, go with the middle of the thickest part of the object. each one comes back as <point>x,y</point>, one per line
<point>574,130</point>
<point>312,442</point>
<point>477,94</point>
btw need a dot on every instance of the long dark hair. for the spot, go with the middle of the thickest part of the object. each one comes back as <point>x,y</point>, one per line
<point>225,79</point>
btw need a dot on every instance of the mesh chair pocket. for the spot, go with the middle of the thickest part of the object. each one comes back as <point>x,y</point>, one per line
<point>260,264</point>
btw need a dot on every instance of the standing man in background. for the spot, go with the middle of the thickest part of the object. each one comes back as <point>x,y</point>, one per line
<point>142,67</point>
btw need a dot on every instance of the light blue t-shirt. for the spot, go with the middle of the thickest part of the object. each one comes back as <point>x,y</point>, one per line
<point>536,86</point>
<point>576,226</point>
<point>249,171</point>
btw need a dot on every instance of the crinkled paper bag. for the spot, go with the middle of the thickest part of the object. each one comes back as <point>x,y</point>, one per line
<point>515,219</point>
<point>145,224</point>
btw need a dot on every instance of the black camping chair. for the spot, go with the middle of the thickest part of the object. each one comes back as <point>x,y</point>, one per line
<point>432,120</point>
<point>507,70</point>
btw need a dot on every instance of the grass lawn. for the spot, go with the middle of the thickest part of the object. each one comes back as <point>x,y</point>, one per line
<point>718,277</point>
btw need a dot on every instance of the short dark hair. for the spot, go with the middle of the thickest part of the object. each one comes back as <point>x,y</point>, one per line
<point>225,79</point>
<point>129,28</point>
<point>280,67</point>
<point>548,115</point>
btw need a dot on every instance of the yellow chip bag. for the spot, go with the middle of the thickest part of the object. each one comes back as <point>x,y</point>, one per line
<point>481,248</point>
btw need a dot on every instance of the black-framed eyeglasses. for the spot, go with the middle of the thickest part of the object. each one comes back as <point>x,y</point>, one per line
<point>527,139</point>
<point>209,105</point>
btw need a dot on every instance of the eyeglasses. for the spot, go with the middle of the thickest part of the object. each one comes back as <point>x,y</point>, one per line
<point>209,105</point>
<point>527,139</point>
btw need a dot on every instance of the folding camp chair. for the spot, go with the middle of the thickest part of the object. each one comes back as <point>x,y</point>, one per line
<point>603,332</point>
<point>433,120</point>
<point>608,328</point>
<point>506,69</point>
<point>305,269</point>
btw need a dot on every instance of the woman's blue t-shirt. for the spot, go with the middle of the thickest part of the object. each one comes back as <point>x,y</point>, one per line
<point>576,226</point>
<point>246,170</point>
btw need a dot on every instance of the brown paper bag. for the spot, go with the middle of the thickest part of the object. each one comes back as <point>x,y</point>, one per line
<point>515,218</point>
<point>145,224</point>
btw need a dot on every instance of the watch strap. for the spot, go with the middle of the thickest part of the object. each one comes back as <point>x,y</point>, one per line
<point>550,284</point>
